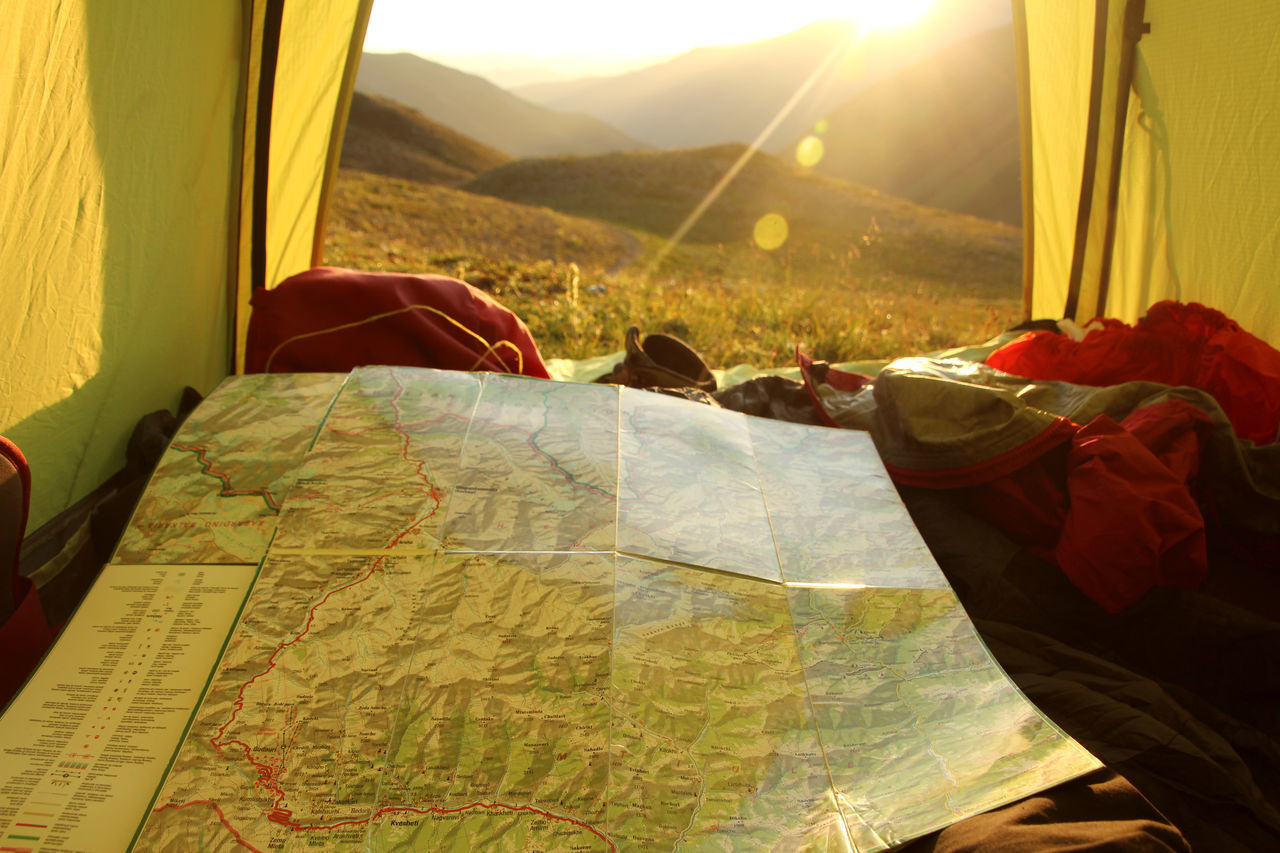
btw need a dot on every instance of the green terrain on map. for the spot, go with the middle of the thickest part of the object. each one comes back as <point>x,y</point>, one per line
<point>511,614</point>
<point>218,489</point>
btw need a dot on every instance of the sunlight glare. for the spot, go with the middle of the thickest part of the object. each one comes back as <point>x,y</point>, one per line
<point>770,231</point>
<point>809,152</point>
<point>875,15</point>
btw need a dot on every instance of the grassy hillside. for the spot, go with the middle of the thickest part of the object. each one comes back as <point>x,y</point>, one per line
<point>579,284</point>
<point>475,107</point>
<point>390,139</point>
<point>377,222</point>
<point>836,229</point>
<point>942,133</point>
<point>573,245</point>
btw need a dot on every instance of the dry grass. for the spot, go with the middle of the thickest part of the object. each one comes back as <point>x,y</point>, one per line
<point>862,275</point>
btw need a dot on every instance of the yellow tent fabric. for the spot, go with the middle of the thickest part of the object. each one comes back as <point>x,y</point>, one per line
<point>1058,41</point>
<point>157,160</point>
<point>314,78</point>
<point>116,156</point>
<point>1200,213</point>
<point>127,147</point>
<point>1196,190</point>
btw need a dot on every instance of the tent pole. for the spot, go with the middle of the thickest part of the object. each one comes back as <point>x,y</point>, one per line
<point>262,141</point>
<point>262,26</point>
<point>1022,57</point>
<point>236,244</point>
<point>339,131</point>
<point>1134,29</point>
<point>1084,210</point>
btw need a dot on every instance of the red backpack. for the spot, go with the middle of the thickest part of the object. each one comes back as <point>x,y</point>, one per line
<point>330,320</point>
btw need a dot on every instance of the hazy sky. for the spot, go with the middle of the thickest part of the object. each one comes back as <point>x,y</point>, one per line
<point>586,33</point>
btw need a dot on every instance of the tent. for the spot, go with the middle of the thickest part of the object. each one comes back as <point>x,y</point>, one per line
<point>159,161</point>
<point>1147,127</point>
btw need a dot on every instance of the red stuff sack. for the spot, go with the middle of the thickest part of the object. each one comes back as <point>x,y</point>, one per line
<point>330,320</point>
<point>1175,344</point>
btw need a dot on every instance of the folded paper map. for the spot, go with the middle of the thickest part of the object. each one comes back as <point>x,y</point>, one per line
<point>509,614</point>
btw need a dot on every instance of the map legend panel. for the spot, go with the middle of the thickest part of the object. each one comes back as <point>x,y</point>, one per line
<point>86,743</point>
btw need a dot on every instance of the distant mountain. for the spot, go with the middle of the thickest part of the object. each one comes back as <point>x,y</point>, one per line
<point>391,139</point>
<point>707,96</point>
<point>943,133</point>
<point>713,95</point>
<point>476,108</point>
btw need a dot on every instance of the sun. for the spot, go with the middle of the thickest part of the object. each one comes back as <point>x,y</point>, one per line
<point>876,15</point>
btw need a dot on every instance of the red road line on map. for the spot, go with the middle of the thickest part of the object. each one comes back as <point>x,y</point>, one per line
<point>268,773</point>
<point>386,810</point>
<point>206,467</point>
<point>417,463</point>
<point>795,631</point>
<point>222,818</point>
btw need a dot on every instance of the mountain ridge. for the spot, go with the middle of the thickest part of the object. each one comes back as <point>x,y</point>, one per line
<point>943,133</point>
<point>712,95</point>
<point>387,138</point>
<point>473,106</point>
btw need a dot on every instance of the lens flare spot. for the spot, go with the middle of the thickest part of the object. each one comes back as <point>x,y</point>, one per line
<point>809,151</point>
<point>821,126</point>
<point>770,231</point>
